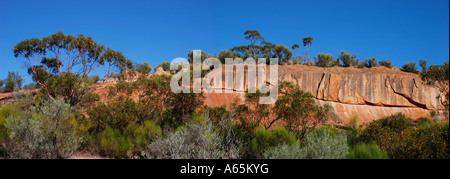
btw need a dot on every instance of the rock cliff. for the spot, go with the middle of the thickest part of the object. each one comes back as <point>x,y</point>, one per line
<point>369,93</point>
<point>378,86</point>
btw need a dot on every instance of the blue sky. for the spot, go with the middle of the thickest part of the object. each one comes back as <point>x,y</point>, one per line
<point>155,31</point>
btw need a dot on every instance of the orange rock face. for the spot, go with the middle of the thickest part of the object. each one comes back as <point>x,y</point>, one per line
<point>369,93</point>
<point>367,113</point>
<point>378,86</point>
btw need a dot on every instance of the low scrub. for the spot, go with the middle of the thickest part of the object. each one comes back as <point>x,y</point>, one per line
<point>266,138</point>
<point>194,141</point>
<point>44,132</point>
<point>401,139</point>
<point>367,151</point>
<point>285,152</point>
<point>131,142</point>
<point>325,143</point>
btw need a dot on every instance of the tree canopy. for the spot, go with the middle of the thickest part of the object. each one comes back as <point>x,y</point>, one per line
<point>59,55</point>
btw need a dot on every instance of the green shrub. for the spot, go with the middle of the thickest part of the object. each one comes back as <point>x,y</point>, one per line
<point>290,62</point>
<point>233,137</point>
<point>322,143</point>
<point>346,59</point>
<point>117,114</point>
<point>265,138</point>
<point>444,134</point>
<point>193,141</point>
<point>361,64</point>
<point>65,86</point>
<point>354,121</point>
<point>400,139</point>
<point>5,112</point>
<point>90,99</point>
<point>325,60</point>
<point>371,62</point>
<point>142,134</point>
<point>297,110</point>
<point>410,67</point>
<point>423,122</point>
<point>326,144</point>
<point>285,152</point>
<point>218,113</point>
<point>112,144</point>
<point>436,73</point>
<point>367,151</point>
<point>386,63</point>
<point>132,141</point>
<point>395,123</point>
<point>44,132</point>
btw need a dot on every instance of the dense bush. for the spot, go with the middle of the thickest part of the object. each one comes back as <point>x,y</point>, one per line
<point>266,138</point>
<point>23,101</point>
<point>44,132</point>
<point>117,114</point>
<point>297,110</point>
<point>143,68</point>
<point>130,142</point>
<point>193,141</point>
<point>326,143</point>
<point>285,152</point>
<point>396,123</point>
<point>410,67</point>
<point>386,63</point>
<point>423,122</point>
<point>5,112</point>
<point>401,139</point>
<point>366,151</point>
<point>234,139</point>
<point>346,59</point>
<point>325,60</point>
<point>436,73</point>
<point>371,62</point>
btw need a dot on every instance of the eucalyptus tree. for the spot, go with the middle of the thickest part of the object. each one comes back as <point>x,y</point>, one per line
<point>423,64</point>
<point>12,82</point>
<point>282,52</point>
<point>143,68</point>
<point>255,40</point>
<point>64,58</point>
<point>116,61</point>
<point>307,42</point>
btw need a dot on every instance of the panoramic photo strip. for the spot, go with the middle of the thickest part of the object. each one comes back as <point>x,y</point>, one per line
<point>238,82</point>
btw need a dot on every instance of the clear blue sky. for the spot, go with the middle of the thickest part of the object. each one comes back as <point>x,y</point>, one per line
<point>154,31</point>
